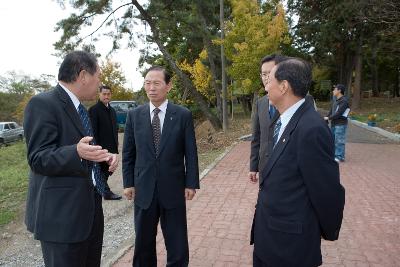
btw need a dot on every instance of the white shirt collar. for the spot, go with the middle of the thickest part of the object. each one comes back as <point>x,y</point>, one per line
<point>73,97</point>
<point>287,115</point>
<point>162,107</point>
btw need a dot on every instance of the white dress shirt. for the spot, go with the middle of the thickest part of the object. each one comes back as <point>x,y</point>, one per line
<point>161,114</point>
<point>288,114</point>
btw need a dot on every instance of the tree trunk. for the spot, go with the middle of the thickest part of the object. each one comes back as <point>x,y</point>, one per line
<point>397,84</point>
<point>253,108</point>
<point>349,74</point>
<point>223,75</point>
<point>208,46</point>
<point>357,79</point>
<point>187,83</point>
<point>375,88</point>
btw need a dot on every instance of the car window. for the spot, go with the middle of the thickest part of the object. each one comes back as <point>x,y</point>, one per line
<point>1,127</point>
<point>122,106</point>
<point>6,127</point>
<point>12,125</point>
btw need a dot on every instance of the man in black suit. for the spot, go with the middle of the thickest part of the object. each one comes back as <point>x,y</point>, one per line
<point>105,130</point>
<point>160,171</point>
<point>300,198</point>
<point>263,115</point>
<point>63,208</point>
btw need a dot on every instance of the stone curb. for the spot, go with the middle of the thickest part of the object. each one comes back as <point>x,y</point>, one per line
<point>389,135</point>
<point>127,245</point>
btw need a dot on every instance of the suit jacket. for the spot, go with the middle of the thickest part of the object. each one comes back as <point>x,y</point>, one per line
<point>60,202</point>
<point>300,197</point>
<point>259,142</point>
<point>105,128</point>
<point>176,166</point>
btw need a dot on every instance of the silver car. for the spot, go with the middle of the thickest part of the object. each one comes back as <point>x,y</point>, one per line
<point>10,132</point>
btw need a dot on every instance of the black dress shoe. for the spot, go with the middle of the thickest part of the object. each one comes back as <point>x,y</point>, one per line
<point>111,196</point>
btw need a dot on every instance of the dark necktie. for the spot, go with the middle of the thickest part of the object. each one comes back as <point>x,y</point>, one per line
<point>276,130</point>
<point>155,124</point>
<point>100,184</point>
<point>272,110</point>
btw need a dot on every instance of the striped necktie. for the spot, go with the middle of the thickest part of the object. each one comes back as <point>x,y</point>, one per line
<point>276,130</point>
<point>156,126</point>
<point>93,166</point>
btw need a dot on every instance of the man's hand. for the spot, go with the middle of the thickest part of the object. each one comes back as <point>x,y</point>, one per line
<point>253,177</point>
<point>90,152</point>
<point>326,118</point>
<point>189,193</point>
<point>129,193</point>
<point>113,162</point>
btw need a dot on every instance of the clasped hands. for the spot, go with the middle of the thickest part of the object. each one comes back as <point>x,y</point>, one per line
<point>96,153</point>
<point>129,193</point>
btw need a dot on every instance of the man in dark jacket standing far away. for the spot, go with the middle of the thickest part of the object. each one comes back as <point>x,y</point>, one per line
<point>105,129</point>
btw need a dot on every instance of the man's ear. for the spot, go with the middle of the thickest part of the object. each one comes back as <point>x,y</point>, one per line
<point>82,76</point>
<point>284,86</point>
<point>169,86</point>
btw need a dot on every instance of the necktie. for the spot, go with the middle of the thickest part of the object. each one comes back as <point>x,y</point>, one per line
<point>276,130</point>
<point>272,110</point>
<point>155,124</point>
<point>93,166</point>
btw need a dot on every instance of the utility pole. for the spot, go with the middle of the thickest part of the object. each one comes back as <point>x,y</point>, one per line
<point>224,89</point>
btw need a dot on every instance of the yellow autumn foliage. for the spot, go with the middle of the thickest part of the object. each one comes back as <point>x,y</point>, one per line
<point>200,75</point>
<point>250,36</point>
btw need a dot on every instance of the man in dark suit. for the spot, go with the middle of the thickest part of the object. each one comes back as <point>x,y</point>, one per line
<point>300,198</point>
<point>160,171</point>
<point>105,130</point>
<point>63,208</point>
<point>263,115</point>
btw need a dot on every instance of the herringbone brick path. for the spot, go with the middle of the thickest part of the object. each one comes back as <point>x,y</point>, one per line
<point>220,216</point>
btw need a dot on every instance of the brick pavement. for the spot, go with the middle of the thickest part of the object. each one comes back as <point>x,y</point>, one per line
<point>219,218</point>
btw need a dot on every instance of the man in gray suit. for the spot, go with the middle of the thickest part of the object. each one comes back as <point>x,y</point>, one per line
<point>160,171</point>
<point>262,118</point>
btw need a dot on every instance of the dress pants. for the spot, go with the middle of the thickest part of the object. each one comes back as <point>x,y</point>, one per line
<point>174,229</point>
<point>81,254</point>
<point>257,261</point>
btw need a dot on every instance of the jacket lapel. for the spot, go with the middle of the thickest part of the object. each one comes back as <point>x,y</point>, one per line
<point>283,141</point>
<point>146,119</point>
<point>169,121</point>
<point>70,109</point>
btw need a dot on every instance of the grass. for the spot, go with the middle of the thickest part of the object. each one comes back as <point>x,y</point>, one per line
<point>13,181</point>
<point>14,167</point>
<point>386,109</point>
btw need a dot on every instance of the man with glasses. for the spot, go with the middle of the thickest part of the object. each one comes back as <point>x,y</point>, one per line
<point>263,116</point>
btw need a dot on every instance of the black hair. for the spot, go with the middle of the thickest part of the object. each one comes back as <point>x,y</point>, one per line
<point>298,74</point>
<point>273,57</point>
<point>74,63</point>
<point>106,87</point>
<point>341,88</point>
<point>167,76</point>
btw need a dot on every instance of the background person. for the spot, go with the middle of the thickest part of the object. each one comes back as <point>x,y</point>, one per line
<point>263,116</point>
<point>160,171</point>
<point>105,129</point>
<point>338,117</point>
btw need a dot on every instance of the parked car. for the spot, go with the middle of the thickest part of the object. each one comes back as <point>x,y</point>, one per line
<point>10,132</point>
<point>122,108</point>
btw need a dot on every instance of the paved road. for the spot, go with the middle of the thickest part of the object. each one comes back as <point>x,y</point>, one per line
<point>219,217</point>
